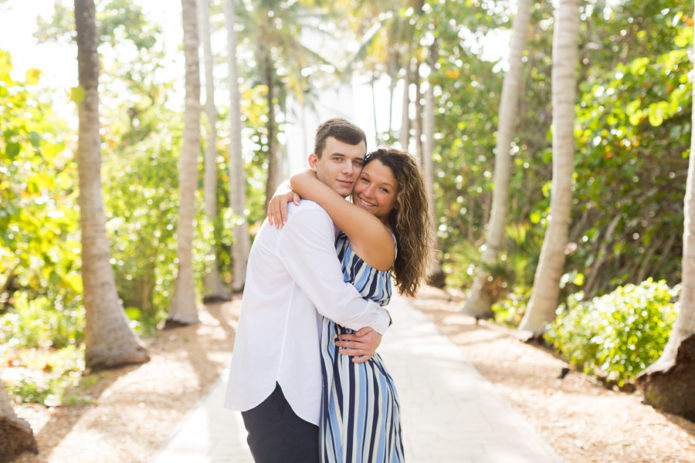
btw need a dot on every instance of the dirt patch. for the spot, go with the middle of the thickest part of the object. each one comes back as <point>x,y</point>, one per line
<point>137,408</point>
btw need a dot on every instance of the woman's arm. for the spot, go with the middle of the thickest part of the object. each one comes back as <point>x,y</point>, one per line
<point>369,238</point>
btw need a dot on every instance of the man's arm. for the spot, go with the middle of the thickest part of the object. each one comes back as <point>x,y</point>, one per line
<point>306,247</point>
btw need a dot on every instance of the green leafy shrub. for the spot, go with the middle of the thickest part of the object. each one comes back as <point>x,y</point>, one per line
<point>46,376</point>
<point>41,323</point>
<point>617,335</point>
<point>510,310</point>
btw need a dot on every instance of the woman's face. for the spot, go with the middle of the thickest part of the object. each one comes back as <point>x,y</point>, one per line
<point>376,189</point>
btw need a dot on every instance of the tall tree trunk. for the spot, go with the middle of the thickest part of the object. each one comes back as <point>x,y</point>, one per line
<point>479,301</point>
<point>668,383</point>
<point>393,75</point>
<point>109,340</point>
<point>237,180</point>
<point>417,122</point>
<point>435,274</point>
<point>404,135</point>
<point>546,284</point>
<point>183,310</point>
<point>211,280</point>
<point>377,138</point>
<point>16,435</point>
<point>273,162</point>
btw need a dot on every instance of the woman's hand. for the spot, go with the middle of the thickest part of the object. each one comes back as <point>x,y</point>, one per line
<point>277,206</point>
<point>361,345</point>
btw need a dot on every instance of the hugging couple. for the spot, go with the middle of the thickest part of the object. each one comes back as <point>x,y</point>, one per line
<point>304,371</point>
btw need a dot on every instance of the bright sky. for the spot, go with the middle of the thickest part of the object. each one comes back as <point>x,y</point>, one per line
<point>58,61</point>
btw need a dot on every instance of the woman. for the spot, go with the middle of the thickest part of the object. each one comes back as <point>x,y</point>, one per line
<point>360,412</point>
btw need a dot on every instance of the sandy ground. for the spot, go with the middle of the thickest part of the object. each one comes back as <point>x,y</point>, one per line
<point>137,408</point>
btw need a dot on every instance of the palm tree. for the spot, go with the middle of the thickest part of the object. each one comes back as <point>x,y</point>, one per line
<point>478,301</point>
<point>435,274</point>
<point>109,340</point>
<point>404,135</point>
<point>274,27</point>
<point>213,284</point>
<point>546,284</point>
<point>667,384</point>
<point>237,182</point>
<point>183,310</point>
<point>16,436</point>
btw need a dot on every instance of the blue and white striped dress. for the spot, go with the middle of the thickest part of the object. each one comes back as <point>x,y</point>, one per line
<point>360,420</point>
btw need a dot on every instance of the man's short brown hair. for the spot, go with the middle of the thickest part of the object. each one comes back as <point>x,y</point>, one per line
<point>341,130</point>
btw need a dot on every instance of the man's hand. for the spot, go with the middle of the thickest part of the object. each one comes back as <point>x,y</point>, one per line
<point>360,345</point>
<point>277,206</point>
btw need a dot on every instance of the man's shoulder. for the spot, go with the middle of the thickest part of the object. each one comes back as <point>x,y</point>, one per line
<point>308,214</point>
<point>305,205</point>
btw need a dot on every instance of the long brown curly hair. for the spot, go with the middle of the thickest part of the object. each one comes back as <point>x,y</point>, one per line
<point>409,220</point>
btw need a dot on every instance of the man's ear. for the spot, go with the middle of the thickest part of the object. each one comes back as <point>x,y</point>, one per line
<point>313,159</point>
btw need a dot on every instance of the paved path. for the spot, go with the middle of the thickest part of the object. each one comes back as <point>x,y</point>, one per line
<point>450,413</point>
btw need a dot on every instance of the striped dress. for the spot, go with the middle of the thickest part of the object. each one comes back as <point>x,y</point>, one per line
<point>359,408</point>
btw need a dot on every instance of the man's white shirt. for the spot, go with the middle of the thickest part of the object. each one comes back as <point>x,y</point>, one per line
<point>293,277</point>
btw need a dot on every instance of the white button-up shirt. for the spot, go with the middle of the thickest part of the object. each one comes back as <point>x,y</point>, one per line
<point>293,277</point>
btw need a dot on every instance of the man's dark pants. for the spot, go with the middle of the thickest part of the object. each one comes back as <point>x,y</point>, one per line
<point>278,435</point>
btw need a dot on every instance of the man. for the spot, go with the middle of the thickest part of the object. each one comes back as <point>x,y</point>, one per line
<point>293,277</point>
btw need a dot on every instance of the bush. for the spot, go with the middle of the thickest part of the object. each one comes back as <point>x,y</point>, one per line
<point>46,376</point>
<point>510,310</point>
<point>40,322</point>
<point>617,335</point>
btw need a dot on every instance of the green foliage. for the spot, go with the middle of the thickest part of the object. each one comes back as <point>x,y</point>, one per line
<point>633,126</point>
<point>48,377</point>
<point>39,322</point>
<point>39,251</point>
<point>616,335</point>
<point>510,310</point>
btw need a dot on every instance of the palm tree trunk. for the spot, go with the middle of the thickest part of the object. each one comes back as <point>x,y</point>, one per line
<point>405,115</point>
<point>667,384</point>
<point>237,182</point>
<point>417,122</point>
<point>109,340</point>
<point>273,165</point>
<point>478,301</point>
<point>546,284</point>
<point>393,74</point>
<point>16,435</point>
<point>377,138</point>
<point>183,310</point>
<point>435,274</point>
<point>211,280</point>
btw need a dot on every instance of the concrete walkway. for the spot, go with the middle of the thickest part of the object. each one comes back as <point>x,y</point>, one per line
<point>450,413</point>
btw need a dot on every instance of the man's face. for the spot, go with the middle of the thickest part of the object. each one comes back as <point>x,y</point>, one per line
<point>339,165</point>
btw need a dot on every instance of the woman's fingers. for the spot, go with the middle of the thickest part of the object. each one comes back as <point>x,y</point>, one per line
<point>277,208</point>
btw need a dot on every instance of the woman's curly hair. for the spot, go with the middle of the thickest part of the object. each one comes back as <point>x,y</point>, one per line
<point>409,220</point>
